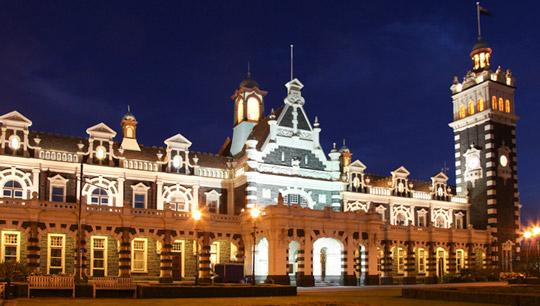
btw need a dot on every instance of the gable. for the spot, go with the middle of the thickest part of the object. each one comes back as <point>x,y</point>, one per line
<point>15,119</point>
<point>101,130</point>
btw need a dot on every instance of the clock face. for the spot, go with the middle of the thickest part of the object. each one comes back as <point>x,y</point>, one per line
<point>473,163</point>
<point>503,160</point>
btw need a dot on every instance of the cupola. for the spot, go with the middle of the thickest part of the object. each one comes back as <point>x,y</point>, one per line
<point>129,126</point>
<point>481,52</point>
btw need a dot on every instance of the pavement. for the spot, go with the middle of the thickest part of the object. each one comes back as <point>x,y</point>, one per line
<point>389,287</point>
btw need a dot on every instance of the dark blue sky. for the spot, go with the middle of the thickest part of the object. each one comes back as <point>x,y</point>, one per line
<point>375,72</point>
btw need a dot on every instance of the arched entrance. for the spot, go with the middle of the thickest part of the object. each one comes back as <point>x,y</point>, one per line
<point>294,247</point>
<point>327,261</point>
<point>261,260</point>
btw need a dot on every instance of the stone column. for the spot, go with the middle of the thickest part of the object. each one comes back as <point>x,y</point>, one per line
<point>159,197</point>
<point>451,257</point>
<point>120,195</point>
<point>410,267</point>
<point>348,263</point>
<point>166,259</point>
<point>277,260</point>
<point>372,277</point>
<point>124,262</point>
<point>431,273</point>
<point>204,262</point>
<point>386,268</point>
<point>471,256</point>
<point>33,248</point>
<point>304,276</point>
<point>241,253</point>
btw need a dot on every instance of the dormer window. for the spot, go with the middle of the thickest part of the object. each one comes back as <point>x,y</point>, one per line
<point>140,195</point>
<point>440,191</point>
<point>57,188</point>
<point>100,152</point>
<point>401,187</point>
<point>177,161</point>
<point>212,201</point>
<point>14,143</point>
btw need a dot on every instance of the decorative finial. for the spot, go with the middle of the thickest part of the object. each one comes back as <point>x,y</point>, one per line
<point>343,141</point>
<point>129,110</point>
<point>334,145</point>
<point>249,71</point>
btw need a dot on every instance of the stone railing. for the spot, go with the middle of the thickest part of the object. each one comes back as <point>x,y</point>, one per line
<point>58,205</point>
<point>421,195</point>
<point>379,191</point>
<point>13,202</point>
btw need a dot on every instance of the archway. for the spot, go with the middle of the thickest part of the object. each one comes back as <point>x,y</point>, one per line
<point>261,260</point>
<point>327,261</point>
<point>441,262</point>
<point>294,247</point>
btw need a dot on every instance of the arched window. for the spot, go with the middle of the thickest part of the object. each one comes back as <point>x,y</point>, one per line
<point>507,105</point>
<point>400,219</point>
<point>480,104</point>
<point>471,108</point>
<point>100,197</point>
<point>129,132</point>
<point>13,189</point>
<point>178,202</point>
<point>462,111</point>
<point>439,222</point>
<point>239,110</point>
<point>501,104</point>
<point>494,102</point>
<point>253,111</point>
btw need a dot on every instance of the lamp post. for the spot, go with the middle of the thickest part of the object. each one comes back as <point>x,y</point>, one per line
<point>79,236</point>
<point>196,216</point>
<point>255,212</point>
<point>527,236</point>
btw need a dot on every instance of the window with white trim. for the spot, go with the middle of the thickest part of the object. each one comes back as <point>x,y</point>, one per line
<point>422,220</point>
<point>178,202</point>
<point>13,189</point>
<point>422,261</point>
<point>57,189</point>
<point>214,254</point>
<point>10,246</point>
<point>401,260</point>
<point>400,219</point>
<point>140,195</point>
<point>56,253</point>
<point>98,262</point>
<point>99,197</point>
<point>212,201</point>
<point>459,220</point>
<point>294,198</point>
<point>138,255</point>
<point>439,222</point>
<point>460,260</point>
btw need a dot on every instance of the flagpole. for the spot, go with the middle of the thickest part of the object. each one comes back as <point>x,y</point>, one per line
<point>478,17</point>
<point>292,61</point>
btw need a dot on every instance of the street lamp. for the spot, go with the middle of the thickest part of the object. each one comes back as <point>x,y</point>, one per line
<point>196,216</point>
<point>255,212</point>
<point>527,236</point>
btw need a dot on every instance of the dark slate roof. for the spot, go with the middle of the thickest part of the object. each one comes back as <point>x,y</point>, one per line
<point>248,83</point>
<point>209,160</point>
<point>480,44</point>
<point>261,131</point>
<point>146,153</point>
<point>57,142</point>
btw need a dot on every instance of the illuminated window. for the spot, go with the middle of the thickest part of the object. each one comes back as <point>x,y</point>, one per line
<point>501,104</point>
<point>129,132</point>
<point>379,259</point>
<point>214,254</point>
<point>10,246</point>
<point>99,256</point>
<point>482,60</point>
<point>476,62</point>
<point>460,260</point>
<point>13,189</point>
<point>56,253</point>
<point>462,111</point>
<point>401,260</point>
<point>253,112</point>
<point>480,104</point>
<point>508,106</point>
<point>471,108</point>
<point>494,102</point>
<point>421,261</point>
<point>99,197</point>
<point>138,255</point>
<point>240,110</point>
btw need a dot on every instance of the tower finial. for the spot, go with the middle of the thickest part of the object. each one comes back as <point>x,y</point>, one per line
<point>343,141</point>
<point>292,48</point>
<point>478,18</point>
<point>249,70</point>
<point>128,109</point>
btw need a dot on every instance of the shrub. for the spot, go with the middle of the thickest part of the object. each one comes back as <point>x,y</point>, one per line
<point>14,271</point>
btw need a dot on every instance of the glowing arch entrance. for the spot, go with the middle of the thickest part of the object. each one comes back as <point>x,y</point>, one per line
<point>327,261</point>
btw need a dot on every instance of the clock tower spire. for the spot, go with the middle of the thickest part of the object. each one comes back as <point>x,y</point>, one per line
<point>485,151</point>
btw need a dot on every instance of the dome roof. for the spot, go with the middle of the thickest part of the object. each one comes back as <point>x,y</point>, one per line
<point>129,116</point>
<point>344,149</point>
<point>248,83</point>
<point>480,44</point>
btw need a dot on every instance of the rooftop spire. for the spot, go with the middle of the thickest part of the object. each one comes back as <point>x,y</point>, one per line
<point>249,71</point>
<point>292,49</point>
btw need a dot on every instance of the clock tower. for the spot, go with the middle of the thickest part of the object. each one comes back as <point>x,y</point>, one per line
<point>485,150</point>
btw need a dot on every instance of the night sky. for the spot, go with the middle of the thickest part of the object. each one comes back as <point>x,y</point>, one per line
<point>376,73</point>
